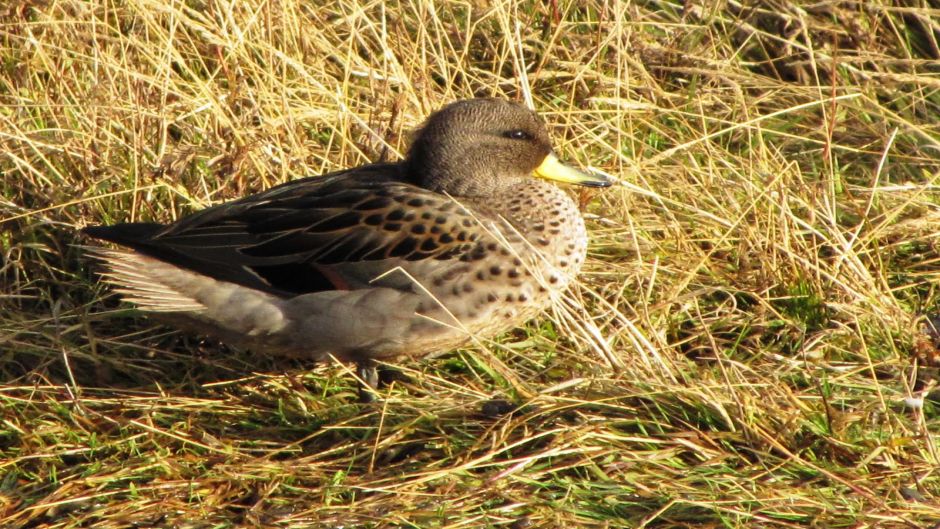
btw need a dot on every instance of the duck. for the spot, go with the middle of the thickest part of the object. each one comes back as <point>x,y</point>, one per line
<point>465,238</point>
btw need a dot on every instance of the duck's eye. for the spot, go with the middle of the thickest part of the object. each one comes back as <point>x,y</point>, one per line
<point>517,135</point>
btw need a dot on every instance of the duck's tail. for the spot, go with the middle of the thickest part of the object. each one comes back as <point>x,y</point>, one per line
<point>130,234</point>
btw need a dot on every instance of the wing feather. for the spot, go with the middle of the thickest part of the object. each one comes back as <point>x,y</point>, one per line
<point>322,233</point>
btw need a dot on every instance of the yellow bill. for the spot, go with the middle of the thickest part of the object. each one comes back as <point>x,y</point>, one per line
<point>552,169</point>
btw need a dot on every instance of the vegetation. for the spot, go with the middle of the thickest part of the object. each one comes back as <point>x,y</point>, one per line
<point>751,344</point>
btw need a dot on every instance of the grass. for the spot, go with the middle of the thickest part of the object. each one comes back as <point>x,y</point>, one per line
<point>748,346</point>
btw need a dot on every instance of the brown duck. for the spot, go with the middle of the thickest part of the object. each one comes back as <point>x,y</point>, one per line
<point>460,239</point>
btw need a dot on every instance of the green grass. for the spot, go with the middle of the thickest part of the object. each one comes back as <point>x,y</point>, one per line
<point>745,349</point>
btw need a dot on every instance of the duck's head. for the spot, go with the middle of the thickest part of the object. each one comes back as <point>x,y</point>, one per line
<point>477,147</point>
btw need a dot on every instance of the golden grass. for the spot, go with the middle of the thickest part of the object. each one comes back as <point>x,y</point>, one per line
<point>747,348</point>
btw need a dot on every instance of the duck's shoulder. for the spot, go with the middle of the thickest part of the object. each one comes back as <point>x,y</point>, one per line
<point>321,189</point>
<point>331,191</point>
<point>371,176</point>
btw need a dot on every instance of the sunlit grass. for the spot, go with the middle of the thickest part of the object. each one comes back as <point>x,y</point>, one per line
<point>746,347</point>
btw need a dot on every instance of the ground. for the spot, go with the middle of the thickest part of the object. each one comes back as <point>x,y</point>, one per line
<point>750,345</point>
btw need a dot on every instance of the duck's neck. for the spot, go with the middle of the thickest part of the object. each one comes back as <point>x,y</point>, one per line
<point>460,174</point>
<point>549,220</point>
<point>538,202</point>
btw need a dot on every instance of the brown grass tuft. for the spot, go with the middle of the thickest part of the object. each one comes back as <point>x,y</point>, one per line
<point>750,346</point>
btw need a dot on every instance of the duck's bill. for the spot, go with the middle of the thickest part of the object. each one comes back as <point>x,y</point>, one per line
<point>552,169</point>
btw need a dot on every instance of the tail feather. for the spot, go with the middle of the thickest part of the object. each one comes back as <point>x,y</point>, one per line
<point>131,234</point>
<point>226,310</point>
<point>138,279</point>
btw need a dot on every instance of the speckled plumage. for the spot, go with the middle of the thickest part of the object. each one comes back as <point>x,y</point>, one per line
<point>378,261</point>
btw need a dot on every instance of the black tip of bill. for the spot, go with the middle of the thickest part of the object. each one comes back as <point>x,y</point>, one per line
<point>597,180</point>
<point>551,168</point>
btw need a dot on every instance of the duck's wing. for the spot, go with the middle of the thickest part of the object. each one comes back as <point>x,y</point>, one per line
<point>335,232</point>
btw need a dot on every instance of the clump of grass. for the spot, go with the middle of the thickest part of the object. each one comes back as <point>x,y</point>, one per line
<point>745,349</point>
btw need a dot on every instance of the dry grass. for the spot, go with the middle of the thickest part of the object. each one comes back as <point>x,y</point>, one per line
<point>746,349</point>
